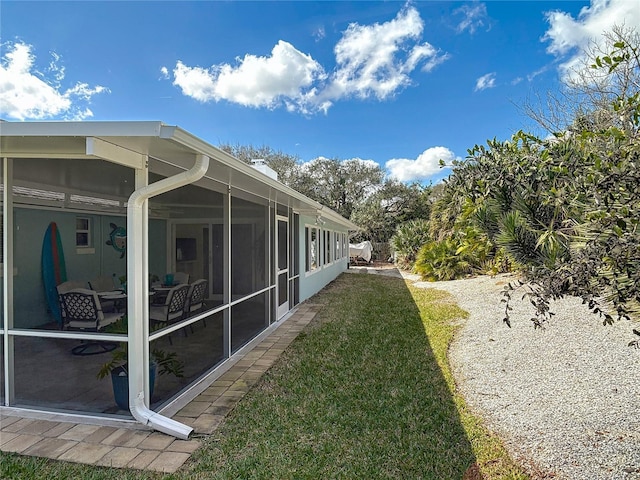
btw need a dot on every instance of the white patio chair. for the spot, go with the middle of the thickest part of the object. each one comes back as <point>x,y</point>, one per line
<point>173,308</point>
<point>105,283</point>
<point>64,287</point>
<point>195,298</point>
<point>82,311</point>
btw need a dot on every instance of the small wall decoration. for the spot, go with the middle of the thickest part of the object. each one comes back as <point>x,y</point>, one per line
<point>118,239</point>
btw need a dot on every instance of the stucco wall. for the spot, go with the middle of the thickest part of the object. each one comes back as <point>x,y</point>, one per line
<point>312,282</point>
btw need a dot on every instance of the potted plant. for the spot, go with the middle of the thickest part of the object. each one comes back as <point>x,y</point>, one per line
<point>161,362</point>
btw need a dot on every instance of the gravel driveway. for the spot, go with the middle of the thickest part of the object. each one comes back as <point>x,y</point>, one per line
<point>564,399</point>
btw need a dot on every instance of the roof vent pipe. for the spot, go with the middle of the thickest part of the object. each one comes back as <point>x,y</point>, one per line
<point>137,287</point>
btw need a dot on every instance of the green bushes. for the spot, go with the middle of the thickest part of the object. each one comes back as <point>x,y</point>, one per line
<point>564,211</point>
<point>408,239</point>
<point>439,261</point>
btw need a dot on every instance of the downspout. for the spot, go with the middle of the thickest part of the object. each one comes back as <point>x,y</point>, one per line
<point>137,287</point>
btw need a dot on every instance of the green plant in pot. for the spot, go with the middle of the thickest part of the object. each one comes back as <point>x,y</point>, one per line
<point>161,362</point>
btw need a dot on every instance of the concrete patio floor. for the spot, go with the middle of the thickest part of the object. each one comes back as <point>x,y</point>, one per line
<point>135,447</point>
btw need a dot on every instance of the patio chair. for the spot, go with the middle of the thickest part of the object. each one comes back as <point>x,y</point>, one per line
<point>173,308</point>
<point>195,299</point>
<point>64,287</point>
<point>181,278</point>
<point>105,283</point>
<point>82,311</point>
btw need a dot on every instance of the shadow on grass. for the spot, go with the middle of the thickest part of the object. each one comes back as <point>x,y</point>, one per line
<point>359,394</point>
<point>363,392</point>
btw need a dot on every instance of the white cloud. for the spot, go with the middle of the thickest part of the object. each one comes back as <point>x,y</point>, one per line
<point>376,60</point>
<point>426,165</point>
<point>486,81</point>
<point>319,34</point>
<point>366,163</point>
<point>26,93</point>
<point>164,73</point>
<point>284,76</point>
<point>475,16</point>
<point>371,61</point>
<point>540,71</point>
<point>568,37</point>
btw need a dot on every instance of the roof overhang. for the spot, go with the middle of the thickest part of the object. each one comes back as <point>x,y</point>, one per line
<point>133,143</point>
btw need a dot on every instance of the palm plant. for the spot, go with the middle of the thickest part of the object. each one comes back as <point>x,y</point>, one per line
<point>440,261</point>
<point>166,362</point>
<point>408,239</point>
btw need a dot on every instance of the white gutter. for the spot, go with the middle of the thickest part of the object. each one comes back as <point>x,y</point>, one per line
<point>137,295</point>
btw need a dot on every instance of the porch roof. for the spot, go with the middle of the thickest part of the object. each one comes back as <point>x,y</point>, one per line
<point>169,149</point>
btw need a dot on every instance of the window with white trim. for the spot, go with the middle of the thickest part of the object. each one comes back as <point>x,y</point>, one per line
<point>83,232</point>
<point>327,247</point>
<point>312,250</point>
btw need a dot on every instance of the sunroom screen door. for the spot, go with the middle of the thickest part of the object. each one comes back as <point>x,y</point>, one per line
<point>282,265</point>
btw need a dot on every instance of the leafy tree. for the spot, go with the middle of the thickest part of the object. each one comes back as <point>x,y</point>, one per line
<point>393,204</point>
<point>596,91</point>
<point>286,166</point>
<point>566,209</point>
<point>341,185</point>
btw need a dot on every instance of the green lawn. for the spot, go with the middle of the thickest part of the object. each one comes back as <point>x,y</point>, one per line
<point>365,392</point>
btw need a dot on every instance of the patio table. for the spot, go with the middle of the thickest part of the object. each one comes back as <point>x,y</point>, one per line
<point>118,296</point>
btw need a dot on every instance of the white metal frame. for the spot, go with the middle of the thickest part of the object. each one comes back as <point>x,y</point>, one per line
<point>130,144</point>
<point>282,309</point>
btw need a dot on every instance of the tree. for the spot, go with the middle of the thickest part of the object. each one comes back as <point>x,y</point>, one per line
<point>340,184</point>
<point>392,204</point>
<point>567,209</point>
<point>286,166</point>
<point>590,98</point>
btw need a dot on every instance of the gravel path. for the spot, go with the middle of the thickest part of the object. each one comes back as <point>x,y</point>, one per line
<point>564,399</point>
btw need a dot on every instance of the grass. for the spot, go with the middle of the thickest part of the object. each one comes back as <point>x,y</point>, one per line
<point>365,392</point>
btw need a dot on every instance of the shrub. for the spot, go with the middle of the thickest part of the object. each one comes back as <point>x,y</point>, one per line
<point>440,261</point>
<point>408,239</point>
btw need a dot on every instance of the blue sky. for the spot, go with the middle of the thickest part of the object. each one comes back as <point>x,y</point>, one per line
<point>403,84</point>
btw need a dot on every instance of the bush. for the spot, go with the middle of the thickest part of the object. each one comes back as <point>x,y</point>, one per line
<point>440,261</point>
<point>407,240</point>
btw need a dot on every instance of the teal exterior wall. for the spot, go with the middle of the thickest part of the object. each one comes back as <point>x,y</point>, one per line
<point>30,225</point>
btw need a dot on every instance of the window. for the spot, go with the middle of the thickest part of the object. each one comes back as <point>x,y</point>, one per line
<point>83,232</point>
<point>336,242</point>
<point>312,250</point>
<point>327,246</point>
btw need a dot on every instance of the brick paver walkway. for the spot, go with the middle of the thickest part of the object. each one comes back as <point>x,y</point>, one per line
<point>144,449</point>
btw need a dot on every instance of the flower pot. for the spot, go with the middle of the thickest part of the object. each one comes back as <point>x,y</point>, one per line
<point>120,381</point>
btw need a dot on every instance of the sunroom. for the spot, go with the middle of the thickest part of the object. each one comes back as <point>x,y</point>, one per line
<point>139,214</point>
